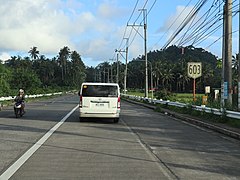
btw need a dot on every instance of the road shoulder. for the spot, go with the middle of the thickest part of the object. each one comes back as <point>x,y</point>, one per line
<point>218,127</point>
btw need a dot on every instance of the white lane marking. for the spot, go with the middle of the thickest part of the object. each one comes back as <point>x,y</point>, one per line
<point>14,167</point>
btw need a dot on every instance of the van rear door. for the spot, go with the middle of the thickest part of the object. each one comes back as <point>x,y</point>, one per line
<point>100,98</point>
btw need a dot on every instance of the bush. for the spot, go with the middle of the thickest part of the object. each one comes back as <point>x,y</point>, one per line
<point>165,95</point>
<point>4,88</point>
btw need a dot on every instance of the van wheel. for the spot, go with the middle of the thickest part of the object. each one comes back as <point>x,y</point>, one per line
<point>116,120</point>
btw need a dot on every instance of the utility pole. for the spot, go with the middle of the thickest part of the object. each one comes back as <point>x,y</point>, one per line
<point>100,76</point>
<point>228,49</point>
<point>125,73</point>
<point>108,75</point>
<point>145,47</point>
<point>117,70</point>
<point>104,75</point>
<point>111,71</point>
<point>119,51</point>
<point>145,50</point>
<point>239,60</point>
<point>223,88</point>
<point>151,79</point>
<point>227,57</point>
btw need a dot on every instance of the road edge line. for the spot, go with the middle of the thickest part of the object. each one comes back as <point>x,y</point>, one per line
<point>161,165</point>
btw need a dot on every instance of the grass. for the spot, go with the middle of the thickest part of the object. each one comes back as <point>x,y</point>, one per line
<point>180,97</point>
<point>201,114</point>
<point>188,98</point>
<point>136,94</point>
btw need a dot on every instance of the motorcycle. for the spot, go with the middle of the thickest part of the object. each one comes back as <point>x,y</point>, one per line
<point>18,109</point>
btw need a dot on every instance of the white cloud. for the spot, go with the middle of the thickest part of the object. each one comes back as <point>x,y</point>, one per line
<point>109,10</point>
<point>90,28</point>
<point>175,20</point>
<point>26,25</point>
<point>50,25</point>
<point>4,56</point>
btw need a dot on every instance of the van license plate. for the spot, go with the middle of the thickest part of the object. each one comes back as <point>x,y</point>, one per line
<point>99,105</point>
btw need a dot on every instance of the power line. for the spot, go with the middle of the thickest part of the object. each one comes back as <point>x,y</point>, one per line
<point>131,35</point>
<point>200,30</point>
<point>219,39</point>
<point>137,30</point>
<point>126,27</point>
<point>205,26</point>
<point>133,11</point>
<point>172,24</point>
<point>188,18</point>
<point>128,22</point>
<point>210,28</point>
<point>200,25</point>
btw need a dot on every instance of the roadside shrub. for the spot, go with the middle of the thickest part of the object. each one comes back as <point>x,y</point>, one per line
<point>165,95</point>
<point>4,88</point>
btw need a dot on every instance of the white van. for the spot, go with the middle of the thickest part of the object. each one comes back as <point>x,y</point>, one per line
<point>100,100</point>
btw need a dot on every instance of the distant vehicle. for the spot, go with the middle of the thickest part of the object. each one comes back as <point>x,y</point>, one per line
<point>18,109</point>
<point>99,100</point>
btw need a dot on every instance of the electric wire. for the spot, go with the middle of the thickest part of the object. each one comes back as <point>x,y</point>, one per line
<point>172,24</point>
<point>132,35</point>
<point>183,24</point>
<point>188,18</point>
<point>198,28</point>
<point>199,24</point>
<point>201,34</point>
<point>137,31</point>
<point>135,6</point>
<point>199,31</point>
<point>133,11</point>
<point>206,35</point>
<point>219,39</point>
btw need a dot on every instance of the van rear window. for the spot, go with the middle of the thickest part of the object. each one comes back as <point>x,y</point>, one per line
<point>99,91</point>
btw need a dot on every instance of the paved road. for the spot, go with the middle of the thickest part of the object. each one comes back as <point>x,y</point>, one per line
<point>188,151</point>
<point>144,145</point>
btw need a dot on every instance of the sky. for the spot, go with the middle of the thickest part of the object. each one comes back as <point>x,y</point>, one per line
<point>94,28</point>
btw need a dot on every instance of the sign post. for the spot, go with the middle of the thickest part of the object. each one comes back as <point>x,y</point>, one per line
<point>194,71</point>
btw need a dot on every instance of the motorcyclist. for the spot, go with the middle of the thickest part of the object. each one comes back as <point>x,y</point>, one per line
<point>20,99</point>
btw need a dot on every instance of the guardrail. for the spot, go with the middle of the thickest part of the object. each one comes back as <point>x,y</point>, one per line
<point>29,96</point>
<point>232,114</point>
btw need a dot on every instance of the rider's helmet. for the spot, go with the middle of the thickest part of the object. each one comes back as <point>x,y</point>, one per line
<point>21,91</point>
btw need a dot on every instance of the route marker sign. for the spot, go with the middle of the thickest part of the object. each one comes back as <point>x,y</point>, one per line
<point>194,69</point>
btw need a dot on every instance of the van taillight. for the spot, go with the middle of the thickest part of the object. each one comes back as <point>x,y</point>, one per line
<point>80,101</point>
<point>118,103</point>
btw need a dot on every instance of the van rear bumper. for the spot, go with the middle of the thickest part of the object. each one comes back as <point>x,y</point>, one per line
<point>99,115</point>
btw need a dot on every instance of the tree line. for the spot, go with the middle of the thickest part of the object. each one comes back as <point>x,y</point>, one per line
<point>38,74</point>
<point>167,68</point>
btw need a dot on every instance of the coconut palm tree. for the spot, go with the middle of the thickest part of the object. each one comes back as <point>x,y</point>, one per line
<point>33,53</point>
<point>63,57</point>
<point>167,78</point>
<point>78,69</point>
<point>159,71</point>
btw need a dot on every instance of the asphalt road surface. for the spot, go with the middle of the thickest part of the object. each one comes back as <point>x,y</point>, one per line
<point>49,142</point>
